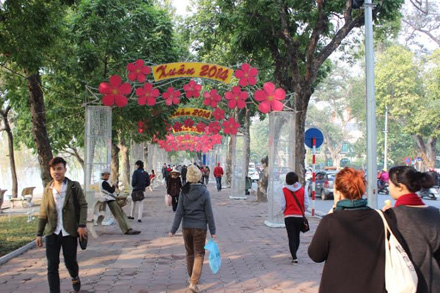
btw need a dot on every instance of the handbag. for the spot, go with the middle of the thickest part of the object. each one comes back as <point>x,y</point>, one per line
<point>82,241</point>
<point>215,259</point>
<point>137,195</point>
<point>400,274</point>
<point>305,224</point>
<point>168,200</point>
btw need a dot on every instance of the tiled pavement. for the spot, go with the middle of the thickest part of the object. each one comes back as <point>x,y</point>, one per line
<point>255,258</point>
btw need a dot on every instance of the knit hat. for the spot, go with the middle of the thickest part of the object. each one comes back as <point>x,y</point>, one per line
<point>105,171</point>
<point>175,171</point>
<point>193,175</point>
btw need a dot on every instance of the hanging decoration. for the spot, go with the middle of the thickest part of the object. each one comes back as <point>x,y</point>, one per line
<point>197,135</point>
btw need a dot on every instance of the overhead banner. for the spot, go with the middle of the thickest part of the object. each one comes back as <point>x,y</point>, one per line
<point>195,112</point>
<point>188,129</point>
<point>192,69</point>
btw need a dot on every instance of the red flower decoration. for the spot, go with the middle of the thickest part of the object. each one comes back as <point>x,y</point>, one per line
<point>236,98</point>
<point>140,127</point>
<point>138,71</point>
<point>216,139</point>
<point>114,92</point>
<point>211,98</point>
<point>177,126</point>
<point>171,96</point>
<point>230,126</point>
<point>188,123</point>
<point>270,98</point>
<point>214,127</point>
<point>192,89</point>
<point>247,75</point>
<point>218,114</point>
<point>201,127</point>
<point>147,94</point>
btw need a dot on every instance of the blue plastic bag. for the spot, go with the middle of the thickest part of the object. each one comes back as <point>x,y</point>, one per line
<point>215,259</point>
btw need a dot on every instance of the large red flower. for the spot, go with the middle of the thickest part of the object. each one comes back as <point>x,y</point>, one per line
<point>247,75</point>
<point>270,98</point>
<point>137,71</point>
<point>230,126</point>
<point>115,92</point>
<point>192,89</point>
<point>201,127</point>
<point>171,96</point>
<point>211,98</point>
<point>177,126</point>
<point>236,98</point>
<point>218,114</point>
<point>214,127</point>
<point>147,94</point>
<point>188,123</point>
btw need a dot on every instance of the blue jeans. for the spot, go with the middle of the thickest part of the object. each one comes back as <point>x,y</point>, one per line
<point>219,183</point>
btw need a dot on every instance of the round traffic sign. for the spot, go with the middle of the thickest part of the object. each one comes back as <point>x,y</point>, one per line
<point>312,133</point>
<point>407,160</point>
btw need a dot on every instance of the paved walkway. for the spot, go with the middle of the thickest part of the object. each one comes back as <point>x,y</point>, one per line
<point>255,258</point>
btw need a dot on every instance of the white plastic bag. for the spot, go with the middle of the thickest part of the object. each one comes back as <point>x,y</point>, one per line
<point>400,274</point>
<point>168,200</point>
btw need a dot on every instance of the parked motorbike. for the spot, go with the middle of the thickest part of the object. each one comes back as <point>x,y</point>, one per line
<point>382,187</point>
<point>430,193</point>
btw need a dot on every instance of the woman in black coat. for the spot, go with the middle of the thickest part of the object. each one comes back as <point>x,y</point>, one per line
<point>351,240</point>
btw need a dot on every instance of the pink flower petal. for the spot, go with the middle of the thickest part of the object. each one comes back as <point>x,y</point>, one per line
<point>132,76</point>
<point>104,88</point>
<point>245,67</point>
<point>253,71</point>
<point>154,92</point>
<point>115,81</point>
<point>142,100</point>
<point>277,105</point>
<point>280,94</point>
<point>151,101</point>
<point>241,104</point>
<point>145,70</point>
<point>252,80</point>
<point>229,95</point>
<point>264,107</point>
<point>141,78</point>
<point>121,101</point>
<point>139,63</point>
<point>108,100</point>
<point>125,88</point>
<point>243,82</point>
<point>269,88</point>
<point>131,67</point>
<point>232,104</point>
<point>140,91</point>
<point>260,95</point>
<point>239,73</point>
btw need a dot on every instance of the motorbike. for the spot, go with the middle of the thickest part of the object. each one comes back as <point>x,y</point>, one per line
<point>430,193</point>
<point>382,187</point>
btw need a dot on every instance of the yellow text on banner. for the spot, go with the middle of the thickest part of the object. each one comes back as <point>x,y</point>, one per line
<point>192,69</point>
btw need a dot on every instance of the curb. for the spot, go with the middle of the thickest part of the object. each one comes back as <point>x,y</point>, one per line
<point>5,258</point>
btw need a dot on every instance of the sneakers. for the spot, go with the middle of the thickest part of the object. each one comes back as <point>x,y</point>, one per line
<point>132,232</point>
<point>295,261</point>
<point>76,284</point>
<point>130,218</point>
<point>194,288</point>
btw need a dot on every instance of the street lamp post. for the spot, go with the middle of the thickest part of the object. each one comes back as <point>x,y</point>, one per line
<point>371,106</point>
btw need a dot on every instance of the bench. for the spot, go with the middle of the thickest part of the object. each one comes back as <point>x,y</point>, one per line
<point>25,198</point>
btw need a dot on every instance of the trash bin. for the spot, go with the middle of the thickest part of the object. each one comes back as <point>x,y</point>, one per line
<point>248,185</point>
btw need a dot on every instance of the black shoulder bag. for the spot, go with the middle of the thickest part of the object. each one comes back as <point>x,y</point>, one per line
<point>83,241</point>
<point>305,224</point>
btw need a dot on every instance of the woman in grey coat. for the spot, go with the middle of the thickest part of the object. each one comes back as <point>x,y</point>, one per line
<point>195,211</point>
<point>418,223</point>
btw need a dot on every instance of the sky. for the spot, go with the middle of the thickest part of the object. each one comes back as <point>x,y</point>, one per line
<point>181,5</point>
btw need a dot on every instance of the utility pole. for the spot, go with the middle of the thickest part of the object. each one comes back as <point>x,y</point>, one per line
<point>371,107</point>
<point>385,154</point>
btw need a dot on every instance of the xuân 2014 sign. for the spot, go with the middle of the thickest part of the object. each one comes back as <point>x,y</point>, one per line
<point>203,70</point>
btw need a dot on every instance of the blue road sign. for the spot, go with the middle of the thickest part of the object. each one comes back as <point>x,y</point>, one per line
<point>313,133</point>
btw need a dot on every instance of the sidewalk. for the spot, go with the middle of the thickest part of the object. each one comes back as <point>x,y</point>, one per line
<point>255,258</point>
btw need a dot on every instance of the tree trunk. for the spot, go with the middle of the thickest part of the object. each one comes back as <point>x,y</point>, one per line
<point>39,131</point>
<point>301,103</point>
<point>125,162</point>
<point>428,151</point>
<point>115,163</point>
<point>7,128</point>
<point>247,141</point>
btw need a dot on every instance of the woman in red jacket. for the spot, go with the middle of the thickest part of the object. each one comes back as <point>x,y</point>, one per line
<point>293,214</point>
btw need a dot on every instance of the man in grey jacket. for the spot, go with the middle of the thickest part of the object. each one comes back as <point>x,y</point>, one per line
<point>194,210</point>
